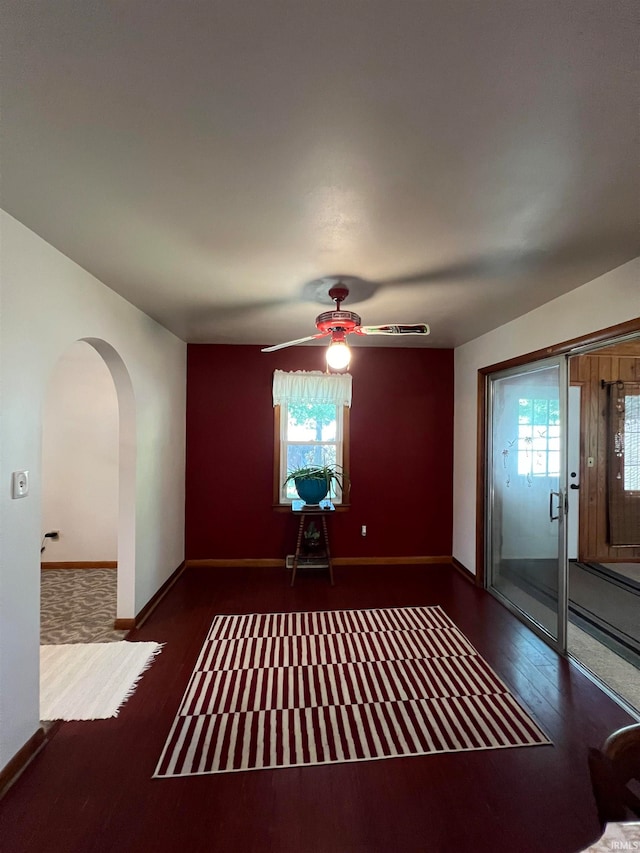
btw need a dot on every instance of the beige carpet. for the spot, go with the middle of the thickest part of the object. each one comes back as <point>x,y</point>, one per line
<point>617,673</point>
<point>90,681</point>
<point>627,570</point>
<point>78,606</point>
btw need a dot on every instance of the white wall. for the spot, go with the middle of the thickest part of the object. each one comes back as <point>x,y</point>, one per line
<point>80,458</point>
<point>606,301</point>
<point>47,302</point>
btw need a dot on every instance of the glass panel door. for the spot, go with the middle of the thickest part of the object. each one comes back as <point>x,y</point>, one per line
<point>526,536</point>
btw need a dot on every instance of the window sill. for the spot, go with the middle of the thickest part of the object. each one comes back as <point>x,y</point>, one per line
<point>287,508</point>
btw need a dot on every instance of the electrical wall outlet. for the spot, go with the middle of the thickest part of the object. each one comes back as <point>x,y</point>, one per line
<point>19,484</point>
<point>363,530</point>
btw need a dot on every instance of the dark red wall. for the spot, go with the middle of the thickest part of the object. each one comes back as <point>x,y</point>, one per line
<point>401,453</point>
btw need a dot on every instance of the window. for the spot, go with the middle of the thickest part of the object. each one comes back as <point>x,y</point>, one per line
<point>631,471</point>
<point>311,434</point>
<point>623,470</point>
<point>538,437</point>
<point>311,426</point>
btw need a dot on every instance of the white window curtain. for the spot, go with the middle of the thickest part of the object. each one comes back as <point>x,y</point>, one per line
<point>311,385</point>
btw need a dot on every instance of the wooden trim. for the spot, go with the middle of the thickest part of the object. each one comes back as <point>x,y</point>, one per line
<point>141,617</point>
<point>584,430</point>
<point>604,335</point>
<point>157,597</point>
<point>466,574</point>
<point>594,338</point>
<point>337,561</point>
<point>233,563</point>
<point>124,624</point>
<point>276,455</point>
<point>390,561</point>
<point>623,349</point>
<point>346,456</point>
<point>21,759</point>
<point>80,564</point>
<point>481,473</point>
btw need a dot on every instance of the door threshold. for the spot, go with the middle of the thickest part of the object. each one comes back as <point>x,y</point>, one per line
<point>611,693</point>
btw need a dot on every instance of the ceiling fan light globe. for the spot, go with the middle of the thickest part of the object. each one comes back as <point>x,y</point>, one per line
<point>338,355</point>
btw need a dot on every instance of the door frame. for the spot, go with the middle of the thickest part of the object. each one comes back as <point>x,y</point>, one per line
<point>559,362</point>
<point>574,346</point>
<point>574,456</point>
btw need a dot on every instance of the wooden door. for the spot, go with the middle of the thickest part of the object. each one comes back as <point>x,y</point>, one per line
<point>621,361</point>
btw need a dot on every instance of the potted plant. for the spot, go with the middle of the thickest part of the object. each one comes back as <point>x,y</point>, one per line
<point>314,482</point>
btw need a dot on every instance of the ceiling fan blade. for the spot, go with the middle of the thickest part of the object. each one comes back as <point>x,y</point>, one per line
<point>395,329</point>
<point>294,343</point>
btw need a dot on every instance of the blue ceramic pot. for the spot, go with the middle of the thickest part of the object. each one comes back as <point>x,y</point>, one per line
<point>311,491</point>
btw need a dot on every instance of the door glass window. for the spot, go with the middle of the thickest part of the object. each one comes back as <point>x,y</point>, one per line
<point>525,536</point>
<point>539,437</point>
<point>632,443</point>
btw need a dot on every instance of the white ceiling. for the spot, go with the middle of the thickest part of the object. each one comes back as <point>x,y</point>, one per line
<point>207,160</point>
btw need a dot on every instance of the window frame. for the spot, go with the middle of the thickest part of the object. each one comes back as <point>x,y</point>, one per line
<point>278,459</point>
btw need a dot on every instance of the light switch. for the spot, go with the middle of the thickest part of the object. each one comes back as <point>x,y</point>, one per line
<point>19,484</point>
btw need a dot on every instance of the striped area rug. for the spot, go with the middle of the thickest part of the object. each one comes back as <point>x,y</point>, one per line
<point>294,689</point>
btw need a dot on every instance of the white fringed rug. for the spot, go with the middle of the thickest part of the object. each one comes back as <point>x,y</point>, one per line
<point>90,681</point>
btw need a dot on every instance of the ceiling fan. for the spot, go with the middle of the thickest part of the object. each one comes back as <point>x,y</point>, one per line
<point>340,323</point>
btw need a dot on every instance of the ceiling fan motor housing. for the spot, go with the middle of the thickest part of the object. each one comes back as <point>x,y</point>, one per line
<point>339,293</point>
<point>332,320</point>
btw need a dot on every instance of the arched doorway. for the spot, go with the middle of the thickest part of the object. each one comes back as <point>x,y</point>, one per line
<point>89,488</point>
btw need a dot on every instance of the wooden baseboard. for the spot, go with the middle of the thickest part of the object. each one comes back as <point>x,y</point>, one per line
<point>258,562</point>
<point>150,606</point>
<point>124,624</point>
<point>337,561</point>
<point>81,564</point>
<point>466,574</point>
<point>21,759</point>
<point>390,561</point>
<point>155,599</point>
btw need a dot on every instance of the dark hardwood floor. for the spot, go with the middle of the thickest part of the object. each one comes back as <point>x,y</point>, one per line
<point>90,790</point>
